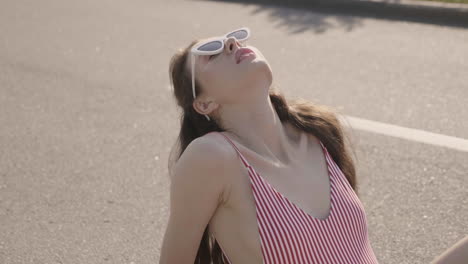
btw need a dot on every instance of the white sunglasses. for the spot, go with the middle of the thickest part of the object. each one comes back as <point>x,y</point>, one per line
<point>213,46</point>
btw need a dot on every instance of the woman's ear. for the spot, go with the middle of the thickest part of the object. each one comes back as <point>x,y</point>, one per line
<point>204,105</point>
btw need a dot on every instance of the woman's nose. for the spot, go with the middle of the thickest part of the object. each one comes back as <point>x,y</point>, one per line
<point>230,43</point>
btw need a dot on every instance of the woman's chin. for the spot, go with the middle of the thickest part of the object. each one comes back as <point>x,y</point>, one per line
<point>256,62</point>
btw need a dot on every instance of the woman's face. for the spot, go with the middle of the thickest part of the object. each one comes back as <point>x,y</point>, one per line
<point>227,82</point>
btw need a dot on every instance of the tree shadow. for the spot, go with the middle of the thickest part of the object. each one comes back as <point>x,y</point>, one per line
<point>296,15</point>
<point>297,21</point>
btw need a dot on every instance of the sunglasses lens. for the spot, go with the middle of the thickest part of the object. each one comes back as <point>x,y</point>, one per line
<point>211,46</point>
<point>239,35</point>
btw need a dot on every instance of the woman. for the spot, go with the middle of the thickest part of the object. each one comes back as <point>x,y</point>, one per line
<point>258,179</point>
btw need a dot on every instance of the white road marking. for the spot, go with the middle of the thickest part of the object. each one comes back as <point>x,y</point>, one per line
<point>405,133</point>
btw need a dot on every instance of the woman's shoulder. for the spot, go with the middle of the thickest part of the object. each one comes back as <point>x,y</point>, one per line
<point>210,159</point>
<point>211,148</point>
<point>205,160</point>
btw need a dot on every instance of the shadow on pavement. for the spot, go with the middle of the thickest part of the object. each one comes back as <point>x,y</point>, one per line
<point>349,12</point>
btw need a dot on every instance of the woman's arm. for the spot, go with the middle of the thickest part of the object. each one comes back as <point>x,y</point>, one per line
<point>196,189</point>
<point>457,254</point>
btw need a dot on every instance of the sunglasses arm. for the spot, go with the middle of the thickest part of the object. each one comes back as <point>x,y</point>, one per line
<point>193,80</point>
<point>193,74</point>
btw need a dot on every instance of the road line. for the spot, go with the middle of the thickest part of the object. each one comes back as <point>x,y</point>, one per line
<point>405,133</point>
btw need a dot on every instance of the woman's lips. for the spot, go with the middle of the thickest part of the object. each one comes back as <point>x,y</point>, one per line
<point>245,55</point>
<point>242,51</point>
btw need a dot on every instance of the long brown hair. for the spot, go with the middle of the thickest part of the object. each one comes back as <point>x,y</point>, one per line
<point>319,120</point>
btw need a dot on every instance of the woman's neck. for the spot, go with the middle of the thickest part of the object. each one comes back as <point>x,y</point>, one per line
<point>261,131</point>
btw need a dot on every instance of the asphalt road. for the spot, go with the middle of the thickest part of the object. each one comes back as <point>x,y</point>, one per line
<point>87,118</point>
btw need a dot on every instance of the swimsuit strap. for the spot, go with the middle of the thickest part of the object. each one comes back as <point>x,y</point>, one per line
<point>244,160</point>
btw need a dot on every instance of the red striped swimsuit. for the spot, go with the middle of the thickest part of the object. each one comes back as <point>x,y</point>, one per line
<point>290,235</point>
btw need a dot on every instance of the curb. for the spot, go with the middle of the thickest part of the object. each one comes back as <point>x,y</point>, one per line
<point>428,12</point>
<point>411,4</point>
<point>417,3</point>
